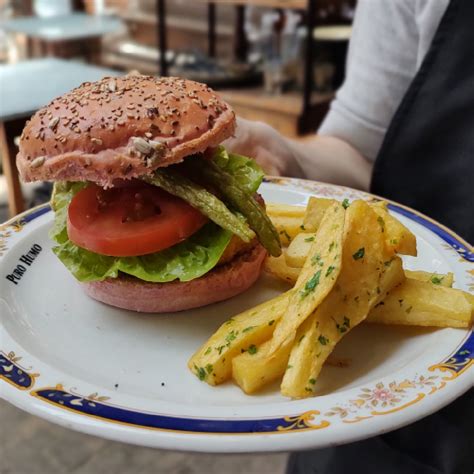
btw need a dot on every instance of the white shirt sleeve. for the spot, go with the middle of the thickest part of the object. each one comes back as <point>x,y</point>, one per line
<point>384,54</point>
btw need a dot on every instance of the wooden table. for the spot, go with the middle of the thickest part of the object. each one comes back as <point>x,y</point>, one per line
<point>63,36</point>
<point>24,88</point>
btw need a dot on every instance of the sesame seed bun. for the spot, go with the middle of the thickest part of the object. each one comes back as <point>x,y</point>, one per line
<point>122,128</point>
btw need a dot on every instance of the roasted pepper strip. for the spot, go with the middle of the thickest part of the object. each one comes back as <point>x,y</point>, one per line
<point>201,199</point>
<point>241,200</point>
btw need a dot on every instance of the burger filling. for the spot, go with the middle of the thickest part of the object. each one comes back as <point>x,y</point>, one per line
<point>177,224</point>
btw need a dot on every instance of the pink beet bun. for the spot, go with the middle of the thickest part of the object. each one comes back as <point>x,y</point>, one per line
<point>122,128</point>
<point>219,284</point>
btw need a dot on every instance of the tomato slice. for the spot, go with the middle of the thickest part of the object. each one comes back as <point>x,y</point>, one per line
<point>128,221</point>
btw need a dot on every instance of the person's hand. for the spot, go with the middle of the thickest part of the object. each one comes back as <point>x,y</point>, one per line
<point>263,143</point>
<point>319,157</point>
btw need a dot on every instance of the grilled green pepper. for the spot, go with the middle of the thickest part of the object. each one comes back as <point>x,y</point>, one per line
<point>239,198</point>
<point>201,199</point>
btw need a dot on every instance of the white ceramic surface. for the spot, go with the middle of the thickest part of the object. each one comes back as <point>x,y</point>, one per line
<point>123,376</point>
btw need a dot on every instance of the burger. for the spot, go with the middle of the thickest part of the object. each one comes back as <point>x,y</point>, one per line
<point>151,212</point>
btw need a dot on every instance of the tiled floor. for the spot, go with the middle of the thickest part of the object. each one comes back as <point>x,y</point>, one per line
<point>29,445</point>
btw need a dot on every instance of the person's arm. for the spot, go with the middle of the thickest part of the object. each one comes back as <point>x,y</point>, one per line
<point>332,160</point>
<point>383,58</point>
<point>322,158</point>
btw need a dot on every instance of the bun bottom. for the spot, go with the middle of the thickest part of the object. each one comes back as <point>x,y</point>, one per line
<point>219,284</point>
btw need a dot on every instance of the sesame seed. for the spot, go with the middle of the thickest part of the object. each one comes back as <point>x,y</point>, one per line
<point>141,145</point>
<point>37,162</point>
<point>53,123</point>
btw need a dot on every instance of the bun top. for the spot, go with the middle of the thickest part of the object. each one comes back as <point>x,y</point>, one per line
<point>122,127</point>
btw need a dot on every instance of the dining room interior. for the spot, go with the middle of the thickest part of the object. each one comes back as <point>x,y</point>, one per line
<point>286,69</point>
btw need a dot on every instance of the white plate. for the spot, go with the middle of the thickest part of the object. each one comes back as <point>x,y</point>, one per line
<point>123,376</point>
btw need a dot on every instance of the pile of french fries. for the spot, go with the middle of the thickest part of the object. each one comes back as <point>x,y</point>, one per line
<point>343,260</point>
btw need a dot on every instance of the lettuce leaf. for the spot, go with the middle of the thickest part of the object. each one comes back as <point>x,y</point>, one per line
<point>245,170</point>
<point>63,192</point>
<point>185,261</point>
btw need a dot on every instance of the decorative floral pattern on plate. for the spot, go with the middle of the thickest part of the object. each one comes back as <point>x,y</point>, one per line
<point>6,231</point>
<point>13,373</point>
<point>459,362</point>
<point>382,399</point>
<point>95,406</point>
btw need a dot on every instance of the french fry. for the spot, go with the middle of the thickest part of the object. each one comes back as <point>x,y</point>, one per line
<point>446,280</point>
<point>278,267</point>
<point>399,239</point>
<point>251,372</point>
<point>315,211</point>
<point>287,227</point>
<point>315,281</point>
<point>212,362</point>
<point>305,361</point>
<point>317,276</point>
<point>421,303</point>
<point>284,210</point>
<point>254,369</point>
<point>302,357</point>
<point>299,248</point>
<point>368,272</point>
<point>445,314</point>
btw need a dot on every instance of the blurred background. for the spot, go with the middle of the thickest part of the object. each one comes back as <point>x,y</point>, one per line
<point>278,61</point>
